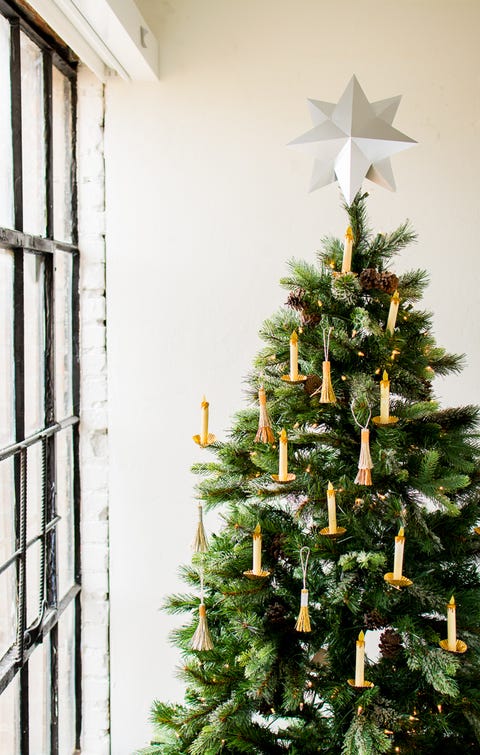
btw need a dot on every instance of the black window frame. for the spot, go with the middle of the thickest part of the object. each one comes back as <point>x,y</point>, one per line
<point>45,628</point>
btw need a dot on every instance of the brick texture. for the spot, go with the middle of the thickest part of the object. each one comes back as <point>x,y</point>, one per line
<point>93,428</point>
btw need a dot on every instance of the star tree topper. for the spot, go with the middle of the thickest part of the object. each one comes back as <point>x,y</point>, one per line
<point>353,140</point>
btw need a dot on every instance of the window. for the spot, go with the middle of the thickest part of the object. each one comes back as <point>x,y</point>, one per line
<point>40,686</point>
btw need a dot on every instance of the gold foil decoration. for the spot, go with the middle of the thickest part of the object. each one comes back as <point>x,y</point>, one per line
<point>303,621</point>
<point>265,432</point>
<point>202,639</point>
<point>200,542</point>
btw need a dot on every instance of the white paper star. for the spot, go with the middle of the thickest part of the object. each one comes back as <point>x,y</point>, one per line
<point>353,140</point>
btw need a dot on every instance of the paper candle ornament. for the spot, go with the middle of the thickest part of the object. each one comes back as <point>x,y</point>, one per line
<point>202,639</point>
<point>393,312</point>
<point>359,680</point>
<point>303,621</point>
<point>332,530</point>
<point>396,577</point>
<point>347,251</point>
<point>294,376</point>
<point>283,474</point>
<point>385,418</point>
<point>256,571</point>
<point>293,356</point>
<point>332,509</point>
<point>265,432</point>
<point>205,438</point>
<point>452,624</point>
<point>200,542</point>
<point>452,644</point>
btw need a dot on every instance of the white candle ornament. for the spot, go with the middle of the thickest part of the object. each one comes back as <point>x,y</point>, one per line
<point>360,661</point>
<point>384,399</point>
<point>452,625</point>
<point>332,509</point>
<point>205,438</point>
<point>347,251</point>
<point>256,570</point>
<point>283,457</point>
<point>294,356</point>
<point>398,559</point>
<point>393,312</point>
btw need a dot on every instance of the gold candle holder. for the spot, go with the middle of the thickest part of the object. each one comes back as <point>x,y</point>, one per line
<point>289,478</point>
<point>402,582</point>
<point>365,685</point>
<point>325,532</point>
<point>256,575</point>
<point>462,647</point>
<point>298,379</point>
<point>211,438</point>
<point>379,421</point>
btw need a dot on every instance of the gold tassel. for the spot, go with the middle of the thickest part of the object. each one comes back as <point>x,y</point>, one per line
<point>364,476</point>
<point>303,621</point>
<point>202,639</point>
<point>200,542</point>
<point>265,432</point>
<point>327,396</point>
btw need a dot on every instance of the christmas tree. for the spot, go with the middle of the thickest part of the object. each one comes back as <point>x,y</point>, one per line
<point>265,682</point>
<point>338,608</point>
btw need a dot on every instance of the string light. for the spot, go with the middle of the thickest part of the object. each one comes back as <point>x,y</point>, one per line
<point>378,371</point>
<point>359,710</point>
<point>360,353</point>
<point>320,303</point>
<point>344,377</point>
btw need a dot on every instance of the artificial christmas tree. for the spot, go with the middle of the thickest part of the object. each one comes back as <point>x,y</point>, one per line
<point>265,686</point>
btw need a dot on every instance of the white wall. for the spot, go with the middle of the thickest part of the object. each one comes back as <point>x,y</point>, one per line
<point>205,204</point>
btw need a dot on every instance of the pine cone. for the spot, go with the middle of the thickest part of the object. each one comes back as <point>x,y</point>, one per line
<point>390,643</point>
<point>388,282</point>
<point>312,384</point>
<point>296,298</point>
<point>368,278</point>
<point>277,614</point>
<point>309,318</point>
<point>374,620</point>
<point>276,547</point>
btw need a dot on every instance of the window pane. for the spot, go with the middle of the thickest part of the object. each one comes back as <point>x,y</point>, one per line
<point>63,335</point>
<point>66,681</point>
<point>39,699</point>
<point>8,619</point>
<point>34,343</point>
<point>7,510</point>
<point>34,528</point>
<point>64,455</point>
<point>33,138</point>
<point>6,163</point>
<point>7,427</point>
<point>10,719</point>
<point>62,155</point>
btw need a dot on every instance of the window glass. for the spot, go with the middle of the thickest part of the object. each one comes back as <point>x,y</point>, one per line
<point>63,335</point>
<point>66,680</point>
<point>62,164</point>
<point>33,138</point>
<point>10,719</point>
<point>7,425</point>
<point>39,699</point>
<point>34,343</point>
<point>64,457</point>
<point>6,163</point>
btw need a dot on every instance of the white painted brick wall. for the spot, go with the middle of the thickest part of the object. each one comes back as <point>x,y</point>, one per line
<point>93,428</point>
